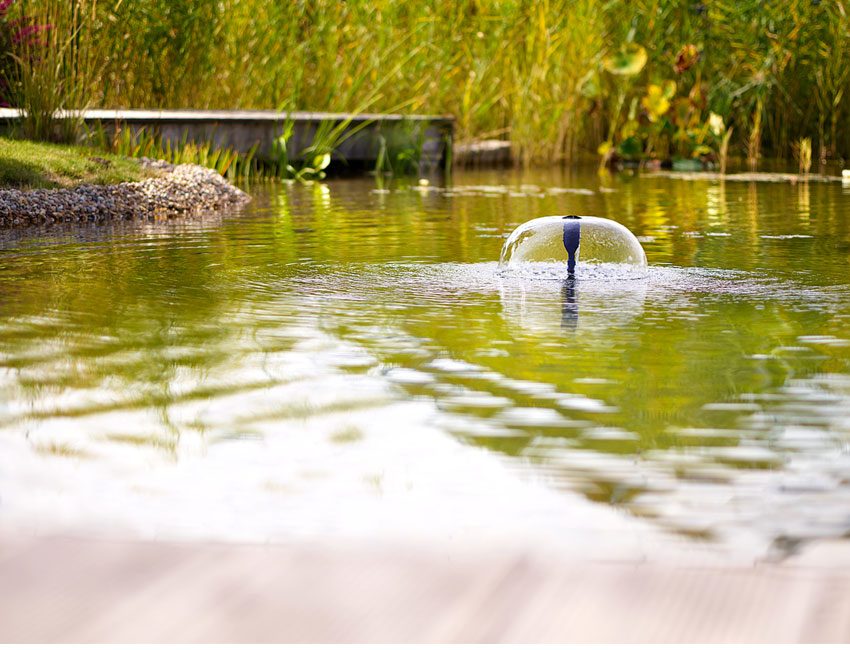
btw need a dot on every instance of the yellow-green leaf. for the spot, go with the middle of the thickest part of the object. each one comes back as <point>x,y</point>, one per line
<point>629,129</point>
<point>655,102</point>
<point>627,61</point>
<point>700,150</point>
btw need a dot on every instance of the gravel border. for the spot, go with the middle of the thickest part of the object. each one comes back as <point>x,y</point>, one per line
<point>182,190</point>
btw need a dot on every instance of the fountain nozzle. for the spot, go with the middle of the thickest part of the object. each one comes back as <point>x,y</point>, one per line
<point>572,238</point>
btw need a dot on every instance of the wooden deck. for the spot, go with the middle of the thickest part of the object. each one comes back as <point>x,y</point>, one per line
<point>72,590</point>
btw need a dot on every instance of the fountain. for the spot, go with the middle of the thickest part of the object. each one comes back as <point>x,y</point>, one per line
<point>574,242</point>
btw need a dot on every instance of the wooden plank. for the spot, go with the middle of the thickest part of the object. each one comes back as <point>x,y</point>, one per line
<point>73,590</point>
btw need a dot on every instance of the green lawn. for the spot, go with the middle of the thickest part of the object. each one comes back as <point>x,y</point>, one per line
<point>28,165</point>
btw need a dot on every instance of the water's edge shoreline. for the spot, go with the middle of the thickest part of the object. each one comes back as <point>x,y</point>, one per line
<point>181,190</point>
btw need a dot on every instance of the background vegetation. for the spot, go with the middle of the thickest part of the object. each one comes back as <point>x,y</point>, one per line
<point>631,78</point>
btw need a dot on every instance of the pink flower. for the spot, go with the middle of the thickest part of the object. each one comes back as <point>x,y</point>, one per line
<point>30,33</point>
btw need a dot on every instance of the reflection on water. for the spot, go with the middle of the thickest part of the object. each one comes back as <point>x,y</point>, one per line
<point>339,360</point>
<point>590,306</point>
<point>569,304</point>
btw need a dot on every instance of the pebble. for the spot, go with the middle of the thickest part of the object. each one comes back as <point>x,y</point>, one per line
<point>182,190</point>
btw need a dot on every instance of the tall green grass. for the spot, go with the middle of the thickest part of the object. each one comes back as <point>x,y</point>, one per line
<point>49,64</point>
<point>530,71</point>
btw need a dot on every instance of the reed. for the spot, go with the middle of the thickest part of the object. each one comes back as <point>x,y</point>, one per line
<point>803,154</point>
<point>143,143</point>
<point>533,71</point>
<point>49,64</point>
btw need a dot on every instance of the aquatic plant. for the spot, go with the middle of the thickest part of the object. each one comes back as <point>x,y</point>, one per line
<point>722,134</point>
<point>803,154</point>
<point>47,64</point>
<point>327,138</point>
<point>311,162</point>
<point>7,62</point>
<point>145,143</point>
<point>308,164</point>
<point>555,78</point>
<point>400,148</point>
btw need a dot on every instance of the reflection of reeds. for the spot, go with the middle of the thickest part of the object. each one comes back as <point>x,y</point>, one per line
<point>533,71</point>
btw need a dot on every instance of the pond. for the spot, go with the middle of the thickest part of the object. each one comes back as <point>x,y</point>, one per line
<point>344,360</point>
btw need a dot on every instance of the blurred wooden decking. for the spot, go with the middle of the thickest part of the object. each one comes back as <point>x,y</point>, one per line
<point>69,590</point>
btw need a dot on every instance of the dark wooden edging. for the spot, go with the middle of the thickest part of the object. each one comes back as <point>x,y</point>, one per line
<point>243,131</point>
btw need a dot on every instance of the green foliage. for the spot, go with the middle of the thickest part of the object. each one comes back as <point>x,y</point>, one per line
<point>556,78</point>
<point>49,65</point>
<point>400,149</point>
<point>311,162</point>
<point>327,137</point>
<point>144,143</point>
<point>628,61</point>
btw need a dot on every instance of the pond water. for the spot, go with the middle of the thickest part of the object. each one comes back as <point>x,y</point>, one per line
<point>343,360</point>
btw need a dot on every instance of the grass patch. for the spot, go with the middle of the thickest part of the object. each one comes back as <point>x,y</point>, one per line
<point>32,165</point>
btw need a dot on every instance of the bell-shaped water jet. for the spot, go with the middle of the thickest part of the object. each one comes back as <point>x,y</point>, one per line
<point>574,242</point>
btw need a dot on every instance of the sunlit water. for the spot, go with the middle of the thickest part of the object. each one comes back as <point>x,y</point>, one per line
<point>344,361</point>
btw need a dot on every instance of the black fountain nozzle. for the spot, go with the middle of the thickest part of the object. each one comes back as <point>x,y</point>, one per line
<point>572,237</point>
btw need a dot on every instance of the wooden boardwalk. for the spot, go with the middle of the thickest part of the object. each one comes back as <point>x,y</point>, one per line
<point>59,589</point>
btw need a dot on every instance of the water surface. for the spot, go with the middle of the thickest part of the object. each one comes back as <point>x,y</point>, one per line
<point>344,359</point>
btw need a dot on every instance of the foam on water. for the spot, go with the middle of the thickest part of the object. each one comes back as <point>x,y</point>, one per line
<point>442,281</point>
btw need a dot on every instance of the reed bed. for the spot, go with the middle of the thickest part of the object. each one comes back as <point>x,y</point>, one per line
<point>537,73</point>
